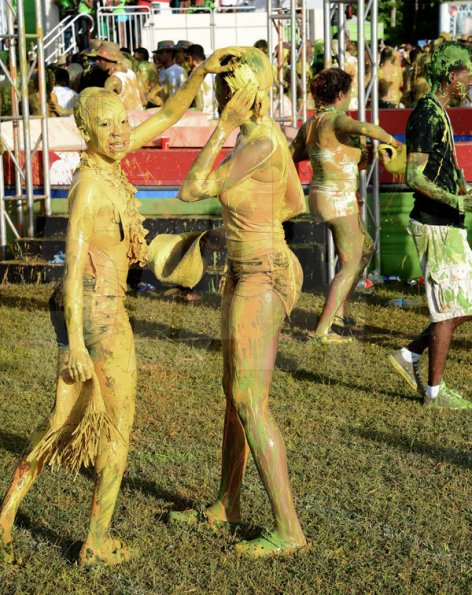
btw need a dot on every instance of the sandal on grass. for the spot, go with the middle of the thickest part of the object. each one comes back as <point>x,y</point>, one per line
<point>111,553</point>
<point>193,517</point>
<point>345,321</point>
<point>268,544</point>
<point>328,338</point>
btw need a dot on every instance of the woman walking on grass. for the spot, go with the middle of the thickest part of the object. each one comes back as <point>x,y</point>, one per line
<point>331,141</point>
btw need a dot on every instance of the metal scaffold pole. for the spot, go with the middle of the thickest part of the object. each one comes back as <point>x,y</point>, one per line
<point>287,25</point>
<point>23,73</point>
<point>368,96</point>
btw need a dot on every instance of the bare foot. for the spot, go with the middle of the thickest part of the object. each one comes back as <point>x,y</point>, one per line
<point>110,552</point>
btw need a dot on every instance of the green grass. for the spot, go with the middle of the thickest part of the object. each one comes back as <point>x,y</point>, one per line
<point>382,485</point>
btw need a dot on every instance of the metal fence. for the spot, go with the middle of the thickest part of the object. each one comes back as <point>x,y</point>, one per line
<point>212,28</point>
<point>123,25</point>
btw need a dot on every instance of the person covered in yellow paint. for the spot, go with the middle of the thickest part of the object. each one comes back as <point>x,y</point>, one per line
<point>331,141</point>
<point>258,188</point>
<point>91,421</point>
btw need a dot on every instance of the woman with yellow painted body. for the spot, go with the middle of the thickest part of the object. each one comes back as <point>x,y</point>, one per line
<point>96,386</point>
<point>331,141</point>
<point>258,188</point>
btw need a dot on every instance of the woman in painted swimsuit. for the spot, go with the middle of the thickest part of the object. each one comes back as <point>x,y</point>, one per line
<point>331,141</point>
<point>91,421</point>
<point>259,188</point>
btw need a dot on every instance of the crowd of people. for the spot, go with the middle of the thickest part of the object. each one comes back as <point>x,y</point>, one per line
<point>145,79</point>
<point>139,82</point>
<point>258,187</point>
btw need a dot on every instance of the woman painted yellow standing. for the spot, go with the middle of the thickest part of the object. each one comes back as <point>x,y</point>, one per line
<point>259,189</point>
<point>96,386</point>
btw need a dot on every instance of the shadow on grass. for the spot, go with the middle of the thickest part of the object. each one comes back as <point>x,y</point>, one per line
<point>69,549</point>
<point>289,366</point>
<point>150,488</point>
<point>146,328</point>
<point>455,456</point>
<point>13,443</point>
<point>303,320</point>
<point>26,303</point>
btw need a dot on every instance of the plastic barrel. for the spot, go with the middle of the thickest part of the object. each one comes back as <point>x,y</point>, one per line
<point>397,249</point>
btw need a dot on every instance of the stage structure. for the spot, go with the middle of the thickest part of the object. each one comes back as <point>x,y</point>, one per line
<point>290,26</point>
<point>367,50</point>
<point>22,70</point>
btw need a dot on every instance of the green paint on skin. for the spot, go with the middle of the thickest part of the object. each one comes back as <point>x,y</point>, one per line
<point>447,56</point>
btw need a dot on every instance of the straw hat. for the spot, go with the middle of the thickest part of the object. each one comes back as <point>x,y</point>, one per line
<point>176,259</point>
<point>108,51</point>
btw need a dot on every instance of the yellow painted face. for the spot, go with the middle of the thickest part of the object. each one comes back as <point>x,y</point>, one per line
<point>108,127</point>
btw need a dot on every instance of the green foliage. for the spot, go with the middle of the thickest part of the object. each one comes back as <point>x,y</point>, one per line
<point>382,485</point>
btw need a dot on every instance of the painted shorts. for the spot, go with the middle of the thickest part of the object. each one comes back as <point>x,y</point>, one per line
<point>102,314</point>
<point>446,261</point>
<point>280,272</point>
<point>326,205</point>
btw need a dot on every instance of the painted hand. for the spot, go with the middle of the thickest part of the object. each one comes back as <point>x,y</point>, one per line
<point>239,106</point>
<point>79,365</point>
<point>212,64</point>
<point>468,203</point>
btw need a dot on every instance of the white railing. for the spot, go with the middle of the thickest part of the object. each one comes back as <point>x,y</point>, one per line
<point>124,27</point>
<point>63,38</point>
<point>211,28</point>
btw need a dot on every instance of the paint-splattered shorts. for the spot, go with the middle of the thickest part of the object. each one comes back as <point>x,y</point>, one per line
<point>326,205</point>
<point>280,272</point>
<point>102,314</point>
<point>446,261</point>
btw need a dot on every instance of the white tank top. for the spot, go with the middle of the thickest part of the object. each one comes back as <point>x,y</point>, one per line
<point>129,90</point>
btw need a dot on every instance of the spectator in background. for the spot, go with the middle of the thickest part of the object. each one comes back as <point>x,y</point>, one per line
<point>351,67</point>
<point>261,44</point>
<point>181,54</point>
<point>420,84</point>
<point>92,76</point>
<point>75,70</point>
<point>318,57</point>
<point>121,19</point>
<point>62,95</point>
<point>128,60</point>
<point>67,8</point>
<point>84,24</point>
<point>120,79</point>
<point>145,72</point>
<point>391,75</point>
<point>205,99</point>
<point>172,76</point>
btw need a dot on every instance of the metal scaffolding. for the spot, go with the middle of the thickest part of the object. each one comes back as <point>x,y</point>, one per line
<point>287,24</point>
<point>16,191</point>
<point>367,48</point>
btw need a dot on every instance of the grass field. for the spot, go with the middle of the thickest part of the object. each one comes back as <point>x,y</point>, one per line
<point>382,485</point>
